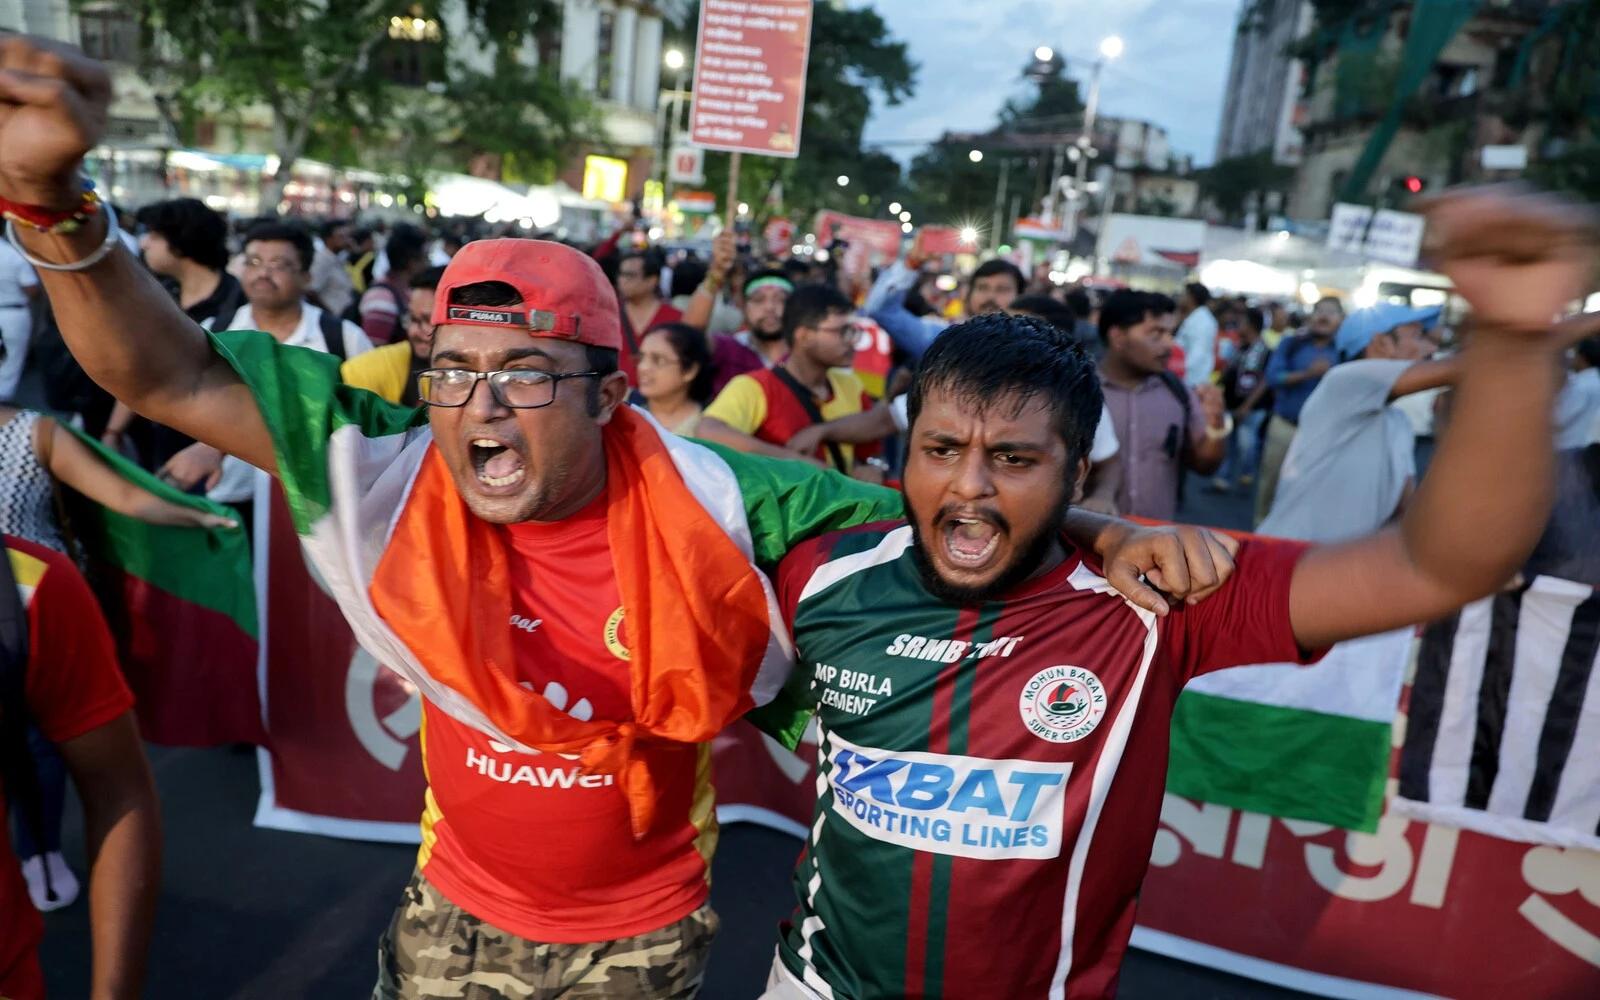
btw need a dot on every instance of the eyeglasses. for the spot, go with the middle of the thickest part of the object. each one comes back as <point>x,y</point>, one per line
<point>658,361</point>
<point>520,389</point>
<point>847,331</point>
<point>272,266</point>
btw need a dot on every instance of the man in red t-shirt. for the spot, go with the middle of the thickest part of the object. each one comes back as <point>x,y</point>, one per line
<point>642,309</point>
<point>71,689</point>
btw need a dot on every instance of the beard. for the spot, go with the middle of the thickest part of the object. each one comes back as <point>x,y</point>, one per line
<point>1031,554</point>
<point>767,335</point>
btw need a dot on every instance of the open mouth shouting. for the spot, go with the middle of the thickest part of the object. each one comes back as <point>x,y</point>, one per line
<point>498,465</point>
<point>971,540</point>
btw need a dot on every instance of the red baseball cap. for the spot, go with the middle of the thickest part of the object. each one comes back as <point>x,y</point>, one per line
<point>564,293</point>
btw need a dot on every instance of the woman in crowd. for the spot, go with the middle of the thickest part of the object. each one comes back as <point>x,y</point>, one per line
<point>675,376</point>
<point>36,453</point>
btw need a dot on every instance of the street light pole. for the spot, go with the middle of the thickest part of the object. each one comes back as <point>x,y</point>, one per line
<point>1110,48</point>
<point>677,106</point>
<point>1000,201</point>
<point>675,61</point>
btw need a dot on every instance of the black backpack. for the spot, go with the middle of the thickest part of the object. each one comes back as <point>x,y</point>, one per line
<point>332,334</point>
<point>1176,386</point>
<point>352,312</point>
<point>16,760</point>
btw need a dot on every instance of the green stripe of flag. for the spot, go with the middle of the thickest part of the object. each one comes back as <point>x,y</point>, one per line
<point>787,502</point>
<point>302,402</point>
<point>1279,761</point>
<point>207,567</point>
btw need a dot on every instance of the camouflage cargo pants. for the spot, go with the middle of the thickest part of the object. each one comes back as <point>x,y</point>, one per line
<point>433,948</point>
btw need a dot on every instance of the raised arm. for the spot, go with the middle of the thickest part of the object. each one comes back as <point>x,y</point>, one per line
<point>1518,259</point>
<point>124,329</point>
<point>703,303</point>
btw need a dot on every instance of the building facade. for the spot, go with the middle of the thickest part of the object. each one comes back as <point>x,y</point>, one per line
<point>1475,94</point>
<point>610,48</point>
<point>1261,107</point>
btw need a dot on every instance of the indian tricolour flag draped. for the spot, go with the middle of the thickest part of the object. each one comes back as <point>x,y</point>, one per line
<point>425,587</point>
<point>1299,742</point>
<point>181,603</point>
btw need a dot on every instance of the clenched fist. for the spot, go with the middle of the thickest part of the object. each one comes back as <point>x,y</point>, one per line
<point>1517,257</point>
<point>53,102</point>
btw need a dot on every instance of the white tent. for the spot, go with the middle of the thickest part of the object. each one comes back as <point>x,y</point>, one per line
<point>462,194</point>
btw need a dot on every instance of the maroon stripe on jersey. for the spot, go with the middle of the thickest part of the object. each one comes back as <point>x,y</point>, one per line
<point>1006,913</point>
<point>921,903</point>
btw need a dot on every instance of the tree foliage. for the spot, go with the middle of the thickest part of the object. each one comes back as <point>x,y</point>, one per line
<point>322,70</point>
<point>947,187</point>
<point>853,57</point>
<point>1230,183</point>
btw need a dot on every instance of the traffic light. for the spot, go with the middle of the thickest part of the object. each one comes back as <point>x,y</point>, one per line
<point>1414,184</point>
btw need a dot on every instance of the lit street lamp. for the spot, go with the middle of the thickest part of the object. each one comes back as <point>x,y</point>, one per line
<point>976,156</point>
<point>906,227</point>
<point>843,181</point>
<point>905,216</point>
<point>673,59</point>
<point>1046,64</point>
<point>969,235</point>
<point>894,208</point>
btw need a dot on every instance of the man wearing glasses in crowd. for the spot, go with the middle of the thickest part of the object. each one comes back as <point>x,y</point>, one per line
<point>391,370</point>
<point>277,276</point>
<point>759,412</point>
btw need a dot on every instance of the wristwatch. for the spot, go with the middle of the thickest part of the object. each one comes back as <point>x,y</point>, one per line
<point>1220,433</point>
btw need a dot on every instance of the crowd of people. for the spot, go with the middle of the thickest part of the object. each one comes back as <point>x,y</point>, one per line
<point>696,528</point>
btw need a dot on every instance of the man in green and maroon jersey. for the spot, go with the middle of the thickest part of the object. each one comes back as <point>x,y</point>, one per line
<point>993,720</point>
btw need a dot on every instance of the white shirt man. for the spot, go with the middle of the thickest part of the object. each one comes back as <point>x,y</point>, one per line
<point>1198,338</point>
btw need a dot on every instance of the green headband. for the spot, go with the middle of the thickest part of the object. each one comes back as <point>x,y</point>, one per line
<point>770,281</point>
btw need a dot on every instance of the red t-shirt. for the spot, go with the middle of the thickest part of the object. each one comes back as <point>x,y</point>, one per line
<point>627,360</point>
<point>73,685</point>
<point>530,843</point>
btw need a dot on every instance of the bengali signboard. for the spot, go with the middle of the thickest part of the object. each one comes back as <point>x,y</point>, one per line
<point>750,76</point>
<point>1390,237</point>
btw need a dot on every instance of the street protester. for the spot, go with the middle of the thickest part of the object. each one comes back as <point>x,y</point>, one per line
<point>758,343</point>
<point>641,306</point>
<point>1297,363</point>
<point>1165,427</point>
<point>992,721</point>
<point>1352,465</point>
<point>760,411</point>
<point>675,376</point>
<point>573,591</point>
<point>391,370</point>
